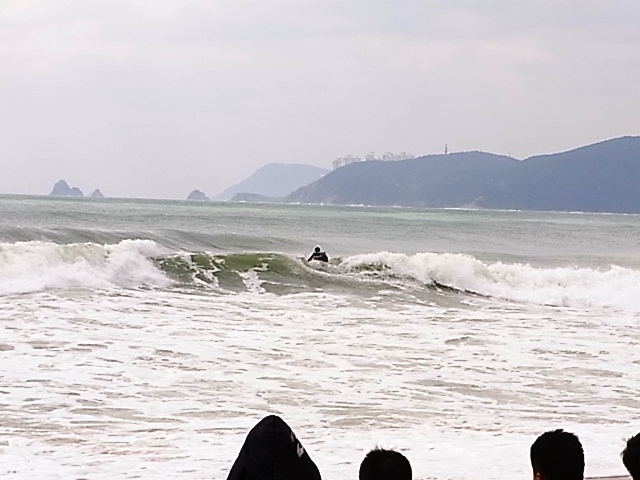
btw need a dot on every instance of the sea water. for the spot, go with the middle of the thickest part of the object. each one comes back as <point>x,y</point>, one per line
<point>143,339</point>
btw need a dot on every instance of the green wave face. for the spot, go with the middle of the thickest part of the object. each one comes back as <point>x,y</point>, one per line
<point>284,275</point>
<point>236,272</point>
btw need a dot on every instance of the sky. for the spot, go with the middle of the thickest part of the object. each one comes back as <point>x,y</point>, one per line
<point>155,98</point>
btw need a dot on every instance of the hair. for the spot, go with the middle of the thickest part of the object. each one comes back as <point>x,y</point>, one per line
<point>558,455</point>
<point>380,464</point>
<point>631,456</point>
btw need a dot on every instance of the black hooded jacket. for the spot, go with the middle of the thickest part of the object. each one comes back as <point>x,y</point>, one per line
<point>271,451</point>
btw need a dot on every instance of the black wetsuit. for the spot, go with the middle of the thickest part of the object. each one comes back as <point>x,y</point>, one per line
<point>322,256</point>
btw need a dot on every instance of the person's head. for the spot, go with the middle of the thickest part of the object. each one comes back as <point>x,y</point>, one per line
<point>631,457</point>
<point>557,455</point>
<point>380,464</point>
<point>317,249</point>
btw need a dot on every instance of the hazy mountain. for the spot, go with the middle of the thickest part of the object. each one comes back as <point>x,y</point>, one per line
<point>601,177</point>
<point>275,180</point>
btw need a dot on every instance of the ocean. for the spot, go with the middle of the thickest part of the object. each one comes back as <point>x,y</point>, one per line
<point>143,339</point>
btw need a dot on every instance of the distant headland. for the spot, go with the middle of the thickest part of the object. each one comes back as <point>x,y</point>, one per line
<point>602,177</point>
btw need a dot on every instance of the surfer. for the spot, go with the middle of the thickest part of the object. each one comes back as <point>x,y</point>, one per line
<point>318,254</point>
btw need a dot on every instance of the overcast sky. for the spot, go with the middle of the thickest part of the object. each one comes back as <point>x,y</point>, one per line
<point>154,98</point>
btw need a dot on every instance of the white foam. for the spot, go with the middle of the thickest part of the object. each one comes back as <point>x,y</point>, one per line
<point>252,281</point>
<point>615,287</point>
<point>35,266</point>
<point>158,384</point>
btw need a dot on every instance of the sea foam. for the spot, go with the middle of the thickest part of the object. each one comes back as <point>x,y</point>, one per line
<point>36,266</point>
<point>615,286</point>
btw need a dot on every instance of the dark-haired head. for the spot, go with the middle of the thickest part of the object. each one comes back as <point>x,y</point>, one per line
<point>380,464</point>
<point>557,455</point>
<point>631,456</point>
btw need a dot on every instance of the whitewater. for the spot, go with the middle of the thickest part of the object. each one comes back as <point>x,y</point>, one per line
<point>143,339</point>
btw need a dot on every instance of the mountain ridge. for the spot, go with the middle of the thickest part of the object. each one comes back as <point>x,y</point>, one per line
<point>600,177</point>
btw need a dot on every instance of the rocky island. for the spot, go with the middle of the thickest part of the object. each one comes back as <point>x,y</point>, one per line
<point>62,189</point>
<point>198,196</point>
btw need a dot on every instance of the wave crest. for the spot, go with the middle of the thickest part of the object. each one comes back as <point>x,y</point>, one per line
<point>36,266</point>
<point>566,286</point>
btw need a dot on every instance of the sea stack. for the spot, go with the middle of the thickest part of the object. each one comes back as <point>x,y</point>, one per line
<point>62,189</point>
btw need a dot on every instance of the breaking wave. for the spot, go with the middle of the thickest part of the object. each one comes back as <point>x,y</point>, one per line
<point>42,265</point>
<point>36,266</point>
<point>568,286</point>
